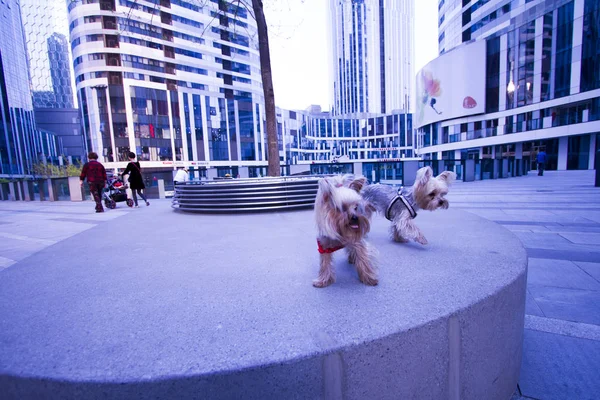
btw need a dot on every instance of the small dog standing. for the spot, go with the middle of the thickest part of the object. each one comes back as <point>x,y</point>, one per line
<point>401,207</point>
<point>343,220</point>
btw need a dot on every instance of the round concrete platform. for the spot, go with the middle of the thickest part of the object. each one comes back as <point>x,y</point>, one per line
<point>166,305</point>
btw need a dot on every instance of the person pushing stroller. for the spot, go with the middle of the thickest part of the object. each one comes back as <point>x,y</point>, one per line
<point>136,182</point>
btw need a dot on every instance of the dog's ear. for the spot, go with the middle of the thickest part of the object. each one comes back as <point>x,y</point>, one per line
<point>358,183</point>
<point>370,207</point>
<point>423,176</point>
<point>326,188</point>
<point>447,176</point>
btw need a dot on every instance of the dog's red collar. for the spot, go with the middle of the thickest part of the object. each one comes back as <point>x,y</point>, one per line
<point>323,250</point>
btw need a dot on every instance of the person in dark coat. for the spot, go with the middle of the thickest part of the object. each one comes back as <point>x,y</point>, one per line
<point>541,160</point>
<point>95,174</point>
<point>136,183</point>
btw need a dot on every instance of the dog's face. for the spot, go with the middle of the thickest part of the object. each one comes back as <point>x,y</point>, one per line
<point>429,192</point>
<point>341,213</point>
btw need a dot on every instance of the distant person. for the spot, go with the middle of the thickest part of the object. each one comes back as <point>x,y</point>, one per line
<point>541,162</point>
<point>181,176</point>
<point>136,182</point>
<point>95,174</point>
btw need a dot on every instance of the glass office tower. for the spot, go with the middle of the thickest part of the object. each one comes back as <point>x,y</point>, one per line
<point>372,55</point>
<point>21,145</point>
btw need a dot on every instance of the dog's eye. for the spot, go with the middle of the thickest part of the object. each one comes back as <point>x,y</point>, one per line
<point>344,207</point>
<point>432,195</point>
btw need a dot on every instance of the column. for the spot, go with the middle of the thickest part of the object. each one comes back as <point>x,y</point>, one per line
<point>563,150</point>
<point>519,159</point>
<point>243,171</point>
<point>211,173</point>
<point>51,190</point>
<point>593,139</point>
<point>12,192</point>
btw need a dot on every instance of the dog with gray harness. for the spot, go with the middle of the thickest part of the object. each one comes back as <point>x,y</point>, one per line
<point>401,206</point>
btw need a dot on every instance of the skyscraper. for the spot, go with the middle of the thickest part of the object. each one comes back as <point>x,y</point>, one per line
<point>60,72</point>
<point>373,52</point>
<point>21,144</point>
<point>46,31</point>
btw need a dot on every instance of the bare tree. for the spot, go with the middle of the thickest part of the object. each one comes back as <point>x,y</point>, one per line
<point>274,168</point>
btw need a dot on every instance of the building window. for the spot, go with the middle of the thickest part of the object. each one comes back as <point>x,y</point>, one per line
<point>525,64</point>
<point>590,58</point>
<point>578,152</point>
<point>564,50</point>
<point>493,75</point>
<point>546,57</point>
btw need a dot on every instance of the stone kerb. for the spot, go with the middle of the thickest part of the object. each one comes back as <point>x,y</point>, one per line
<point>222,306</point>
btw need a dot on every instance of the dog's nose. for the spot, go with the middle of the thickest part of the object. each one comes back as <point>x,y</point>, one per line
<point>441,202</point>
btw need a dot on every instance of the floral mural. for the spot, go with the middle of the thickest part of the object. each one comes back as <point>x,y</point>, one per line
<point>429,89</point>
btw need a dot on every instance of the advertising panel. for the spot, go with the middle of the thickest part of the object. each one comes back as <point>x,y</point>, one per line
<point>452,85</point>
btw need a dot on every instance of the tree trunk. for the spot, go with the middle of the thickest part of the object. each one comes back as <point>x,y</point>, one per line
<point>274,168</point>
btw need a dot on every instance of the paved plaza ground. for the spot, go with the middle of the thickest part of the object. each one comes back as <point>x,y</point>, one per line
<point>556,217</point>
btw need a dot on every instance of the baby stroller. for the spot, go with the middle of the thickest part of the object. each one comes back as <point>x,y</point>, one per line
<point>116,193</point>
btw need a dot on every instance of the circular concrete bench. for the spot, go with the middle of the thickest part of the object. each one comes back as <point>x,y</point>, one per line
<point>222,306</point>
<point>246,195</point>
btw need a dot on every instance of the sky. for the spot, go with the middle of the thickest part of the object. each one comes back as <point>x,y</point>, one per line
<point>300,48</point>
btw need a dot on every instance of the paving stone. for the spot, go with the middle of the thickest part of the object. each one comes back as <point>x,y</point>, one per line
<point>531,307</point>
<point>568,304</point>
<point>526,228</point>
<point>588,228</point>
<point>16,249</point>
<point>561,327</point>
<point>583,238</point>
<point>5,262</point>
<point>574,255</point>
<point>530,239</point>
<point>559,273</point>
<point>559,367</point>
<point>591,268</point>
<point>528,213</point>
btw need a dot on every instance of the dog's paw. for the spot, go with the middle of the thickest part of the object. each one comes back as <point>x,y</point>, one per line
<point>421,240</point>
<point>369,280</point>
<point>321,283</point>
<point>400,239</point>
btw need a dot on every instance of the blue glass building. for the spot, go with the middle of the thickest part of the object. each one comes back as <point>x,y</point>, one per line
<point>21,144</point>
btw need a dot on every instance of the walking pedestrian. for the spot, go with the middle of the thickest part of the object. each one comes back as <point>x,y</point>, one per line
<point>136,182</point>
<point>541,161</point>
<point>95,174</point>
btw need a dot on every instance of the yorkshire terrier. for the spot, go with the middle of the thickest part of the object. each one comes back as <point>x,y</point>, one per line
<point>343,220</point>
<point>401,206</point>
